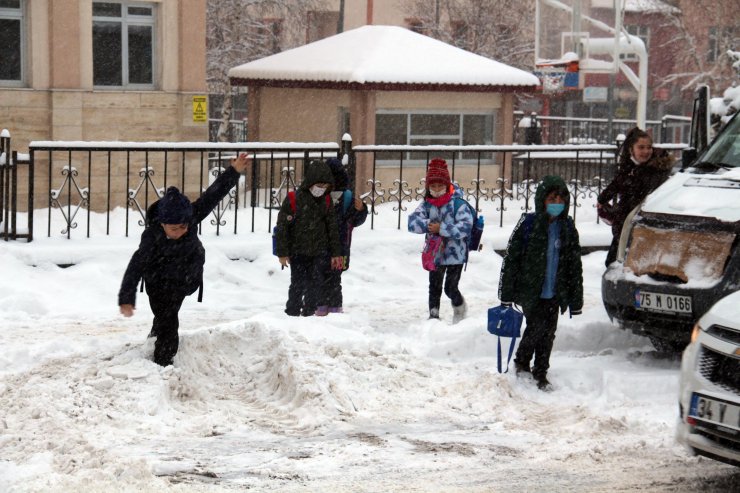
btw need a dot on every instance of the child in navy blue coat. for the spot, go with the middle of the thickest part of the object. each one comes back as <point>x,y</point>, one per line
<point>350,212</point>
<point>170,258</point>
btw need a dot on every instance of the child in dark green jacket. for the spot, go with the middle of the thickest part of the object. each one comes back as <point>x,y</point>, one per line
<point>542,272</point>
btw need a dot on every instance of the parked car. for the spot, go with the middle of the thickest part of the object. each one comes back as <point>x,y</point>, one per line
<point>679,250</point>
<point>709,399</point>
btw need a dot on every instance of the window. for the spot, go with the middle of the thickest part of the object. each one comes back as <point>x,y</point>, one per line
<point>321,24</point>
<point>416,25</point>
<point>432,128</point>
<point>269,34</point>
<point>11,42</point>
<point>642,32</point>
<point>123,44</point>
<point>459,32</point>
<point>722,39</point>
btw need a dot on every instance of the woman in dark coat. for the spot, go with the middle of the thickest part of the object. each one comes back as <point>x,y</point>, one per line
<point>641,170</point>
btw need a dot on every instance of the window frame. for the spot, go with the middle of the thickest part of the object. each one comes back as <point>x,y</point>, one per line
<point>125,21</point>
<point>460,136</point>
<point>20,15</point>
<point>644,36</point>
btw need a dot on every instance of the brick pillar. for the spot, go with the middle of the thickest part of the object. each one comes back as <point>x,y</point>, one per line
<point>362,129</point>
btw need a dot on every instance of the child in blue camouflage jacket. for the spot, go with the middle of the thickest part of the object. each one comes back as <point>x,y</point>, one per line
<point>441,213</point>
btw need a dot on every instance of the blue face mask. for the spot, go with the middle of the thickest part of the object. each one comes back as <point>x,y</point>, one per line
<point>554,210</point>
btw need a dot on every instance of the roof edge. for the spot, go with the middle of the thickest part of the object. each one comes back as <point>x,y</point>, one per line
<point>379,86</point>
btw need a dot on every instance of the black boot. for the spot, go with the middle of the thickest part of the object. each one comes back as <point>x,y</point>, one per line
<point>543,384</point>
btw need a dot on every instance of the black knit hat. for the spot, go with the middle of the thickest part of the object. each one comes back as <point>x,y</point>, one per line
<point>174,208</point>
<point>341,180</point>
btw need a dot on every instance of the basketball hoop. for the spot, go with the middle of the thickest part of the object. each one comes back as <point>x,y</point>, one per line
<point>558,76</point>
<point>553,79</point>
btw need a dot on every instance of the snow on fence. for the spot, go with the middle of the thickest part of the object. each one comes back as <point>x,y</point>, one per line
<point>104,188</point>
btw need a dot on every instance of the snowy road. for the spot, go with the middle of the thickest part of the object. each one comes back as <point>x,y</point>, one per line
<point>378,399</point>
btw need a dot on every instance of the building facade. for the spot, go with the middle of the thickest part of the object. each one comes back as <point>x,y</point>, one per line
<point>114,70</point>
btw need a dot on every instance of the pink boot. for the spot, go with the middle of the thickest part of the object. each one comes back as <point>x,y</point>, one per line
<point>336,309</point>
<point>321,311</point>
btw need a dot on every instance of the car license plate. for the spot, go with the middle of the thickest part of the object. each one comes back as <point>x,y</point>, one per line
<point>716,411</point>
<point>662,302</point>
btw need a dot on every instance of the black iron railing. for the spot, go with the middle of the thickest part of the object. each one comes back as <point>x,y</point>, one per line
<point>13,167</point>
<point>99,177</point>
<point>555,130</point>
<point>111,185</point>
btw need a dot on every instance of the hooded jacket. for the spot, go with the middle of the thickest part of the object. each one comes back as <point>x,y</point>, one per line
<point>312,229</point>
<point>523,269</point>
<point>173,265</point>
<point>454,226</point>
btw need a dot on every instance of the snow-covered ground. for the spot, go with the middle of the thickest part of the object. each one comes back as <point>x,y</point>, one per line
<point>377,399</point>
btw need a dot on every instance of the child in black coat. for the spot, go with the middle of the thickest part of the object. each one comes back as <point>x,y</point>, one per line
<point>170,258</point>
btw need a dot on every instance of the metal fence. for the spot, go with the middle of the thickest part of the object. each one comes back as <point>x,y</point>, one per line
<point>485,173</point>
<point>236,131</point>
<point>94,179</point>
<point>98,177</point>
<point>555,130</point>
<point>13,169</point>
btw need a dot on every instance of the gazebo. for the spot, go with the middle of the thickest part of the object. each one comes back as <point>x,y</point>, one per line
<point>383,85</point>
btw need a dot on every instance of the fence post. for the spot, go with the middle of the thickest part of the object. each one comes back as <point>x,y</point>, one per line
<point>4,181</point>
<point>348,160</point>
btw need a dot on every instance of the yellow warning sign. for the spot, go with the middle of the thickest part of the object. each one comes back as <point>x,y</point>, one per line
<point>200,109</point>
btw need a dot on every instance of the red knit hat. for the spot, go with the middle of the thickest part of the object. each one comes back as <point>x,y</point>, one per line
<point>437,172</point>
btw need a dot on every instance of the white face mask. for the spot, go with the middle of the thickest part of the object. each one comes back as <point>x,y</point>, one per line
<point>438,193</point>
<point>317,191</point>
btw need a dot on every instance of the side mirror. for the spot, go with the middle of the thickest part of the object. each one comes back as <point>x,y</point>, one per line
<point>688,156</point>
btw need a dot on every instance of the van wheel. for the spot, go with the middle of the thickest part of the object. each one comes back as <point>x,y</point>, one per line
<point>667,346</point>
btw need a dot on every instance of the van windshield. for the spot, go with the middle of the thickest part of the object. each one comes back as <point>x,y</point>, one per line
<point>725,151</point>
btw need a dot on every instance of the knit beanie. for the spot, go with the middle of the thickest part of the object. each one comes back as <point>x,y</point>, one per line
<point>341,180</point>
<point>174,208</point>
<point>437,172</point>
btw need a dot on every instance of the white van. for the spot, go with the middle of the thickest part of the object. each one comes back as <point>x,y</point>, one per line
<point>680,250</point>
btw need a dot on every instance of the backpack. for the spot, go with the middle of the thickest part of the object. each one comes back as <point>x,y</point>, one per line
<point>476,232</point>
<point>291,200</point>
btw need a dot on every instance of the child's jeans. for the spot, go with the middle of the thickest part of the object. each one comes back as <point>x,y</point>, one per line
<point>306,285</point>
<point>437,279</point>
<point>165,304</point>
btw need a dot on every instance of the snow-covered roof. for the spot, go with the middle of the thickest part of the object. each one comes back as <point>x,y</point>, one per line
<point>649,7</point>
<point>383,57</point>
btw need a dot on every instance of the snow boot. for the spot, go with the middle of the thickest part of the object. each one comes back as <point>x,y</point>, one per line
<point>543,384</point>
<point>335,309</point>
<point>321,311</point>
<point>433,313</point>
<point>522,368</point>
<point>459,312</point>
